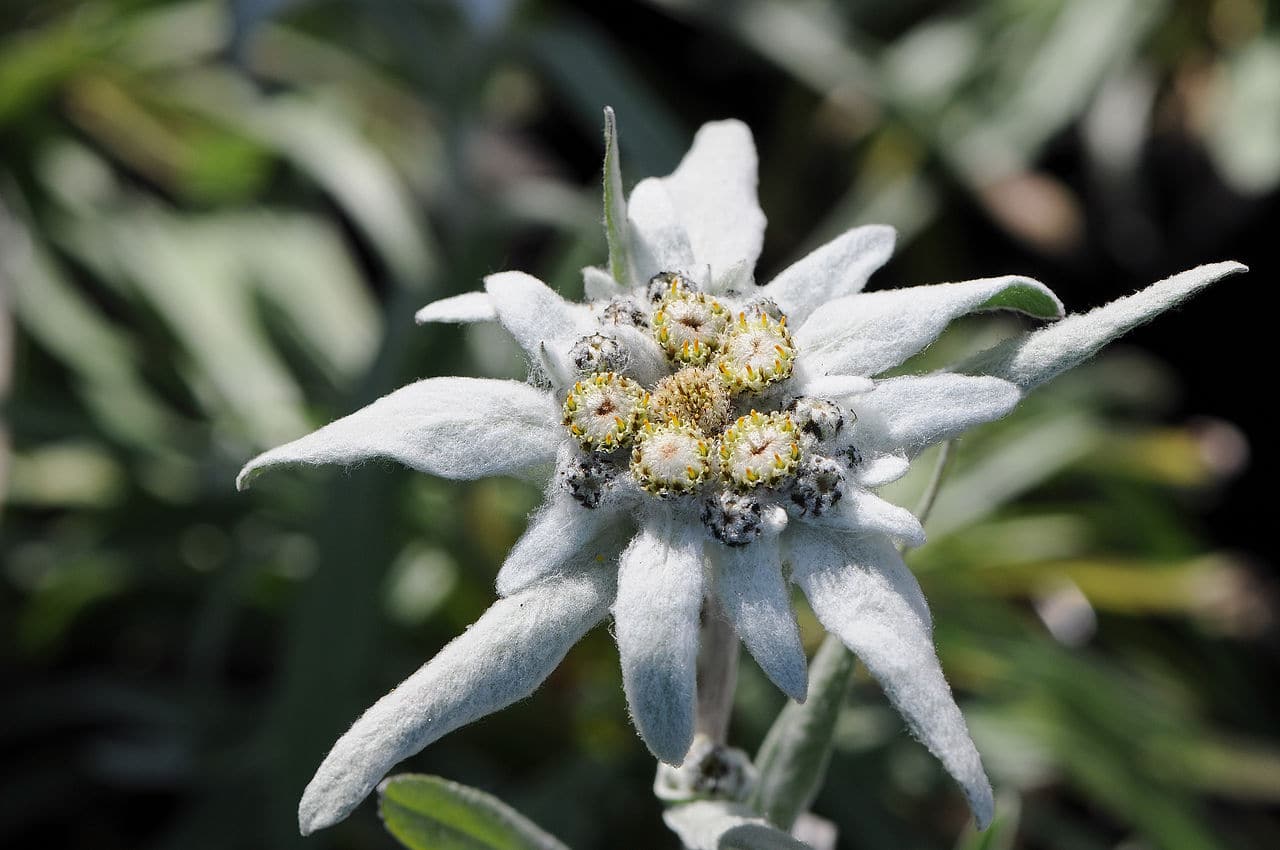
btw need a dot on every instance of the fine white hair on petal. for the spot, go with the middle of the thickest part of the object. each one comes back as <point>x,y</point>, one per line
<point>557,533</point>
<point>1033,358</point>
<point>879,470</point>
<point>748,582</point>
<point>646,361</point>
<point>910,413</point>
<point>536,316</point>
<point>868,333</point>
<point>722,825</point>
<point>656,625</point>
<point>599,285</point>
<point>839,268</point>
<point>659,240</point>
<point>832,386</point>
<point>713,191</point>
<point>862,592</point>
<point>459,309</point>
<point>860,511</point>
<point>500,659</point>
<point>452,427</point>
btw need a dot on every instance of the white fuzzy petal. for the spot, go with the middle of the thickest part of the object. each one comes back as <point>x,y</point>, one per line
<point>557,535</point>
<point>658,237</point>
<point>860,511</point>
<point>1033,358</point>
<point>909,413</point>
<point>451,427</point>
<point>656,624</point>
<point>599,285</point>
<point>839,268</point>
<point>863,593</point>
<point>460,309</point>
<point>748,582</point>
<point>721,825</point>
<point>536,315</point>
<point>500,659</point>
<point>714,194</point>
<point>868,333</point>
<point>645,360</point>
<point>879,470</point>
<point>834,386</point>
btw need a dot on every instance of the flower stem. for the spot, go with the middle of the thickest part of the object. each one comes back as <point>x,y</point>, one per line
<point>717,672</point>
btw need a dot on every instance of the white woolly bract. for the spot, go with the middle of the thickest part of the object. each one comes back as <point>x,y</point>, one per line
<point>1032,358</point>
<point>718,825</point>
<point>659,241</point>
<point>452,427</point>
<point>536,315</point>
<point>460,309</point>
<point>500,659</point>
<point>860,511</point>
<point>710,198</point>
<point>878,470</point>
<point>839,268</point>
<point>910,413</point>
<point>656,625</point>
<point>868,333</point>
<point>748,582</point>
<point>557,536</point>
<point>862,592</point>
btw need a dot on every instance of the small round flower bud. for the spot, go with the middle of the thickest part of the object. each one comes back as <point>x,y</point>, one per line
<point>755,352</point>
<point>670,460</point>
<point>759,450</point>
<point>624,311</point>
<point>598,353</point>
<point>602,411</point>
<point>732,518</point>
<point>817,486</point>
<point>694,395</point>
<point>664,284</point>
<point>710,771</point>
<point>688,326</point>
<point>586,478</point>
<point>765,306</point>
<point>820,418</point>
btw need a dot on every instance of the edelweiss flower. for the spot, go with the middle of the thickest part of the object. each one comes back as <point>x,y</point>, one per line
<point>708,439</point>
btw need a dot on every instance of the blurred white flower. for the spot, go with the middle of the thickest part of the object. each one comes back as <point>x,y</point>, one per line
<point>709,437</point>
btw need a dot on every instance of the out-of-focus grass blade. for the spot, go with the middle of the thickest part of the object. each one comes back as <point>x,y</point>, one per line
<point>1244,133</point>
<point>1026,459</point>
<point>430,813</point>
<point>1002,832</point>
<point>298,263</point>
<point>183,270</point>
<point>51,310</point>
<point>591,72</point>
<point>316,136</point>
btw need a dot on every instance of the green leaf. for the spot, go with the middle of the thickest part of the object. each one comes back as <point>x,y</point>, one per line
<point>793,758</point>
<point>430,813</point>
<point>615,205</point>
<point>1025,299</point>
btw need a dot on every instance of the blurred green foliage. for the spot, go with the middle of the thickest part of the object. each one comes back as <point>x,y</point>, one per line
<point>217,219</point>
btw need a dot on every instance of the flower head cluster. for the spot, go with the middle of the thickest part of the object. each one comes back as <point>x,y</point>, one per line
<point>711,439</point>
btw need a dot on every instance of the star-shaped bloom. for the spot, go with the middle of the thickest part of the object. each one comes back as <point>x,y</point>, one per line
<point>706,438</point>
